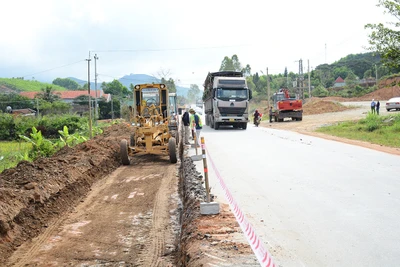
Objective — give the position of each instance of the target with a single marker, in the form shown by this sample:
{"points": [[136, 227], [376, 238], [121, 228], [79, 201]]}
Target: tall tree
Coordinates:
{"points": [[66, 83], [247, 70], [165, 78], [194, 93], [226, 64], [170, 83], [116, 88], [386, 39], [47, 93]]}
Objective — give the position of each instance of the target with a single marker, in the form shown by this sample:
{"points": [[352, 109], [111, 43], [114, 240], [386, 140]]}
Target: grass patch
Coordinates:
{"points": [[381, 130], [13, 152], [28, 85]]}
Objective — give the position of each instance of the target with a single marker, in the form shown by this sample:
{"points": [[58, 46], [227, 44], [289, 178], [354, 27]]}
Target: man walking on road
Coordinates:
{"points": [[373, 106], [186, 128]]}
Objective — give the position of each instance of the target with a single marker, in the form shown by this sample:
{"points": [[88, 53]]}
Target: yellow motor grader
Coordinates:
{"points": [[150, 117]]}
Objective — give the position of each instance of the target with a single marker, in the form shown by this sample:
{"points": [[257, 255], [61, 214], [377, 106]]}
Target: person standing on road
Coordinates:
{"points": [[373, 106], [378, 105], [186, 127], [270, 114], [195, 122]]}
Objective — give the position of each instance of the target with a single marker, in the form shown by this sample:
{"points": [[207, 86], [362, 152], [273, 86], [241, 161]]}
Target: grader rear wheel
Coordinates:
{"points": [[172, 150], [124, 152]]}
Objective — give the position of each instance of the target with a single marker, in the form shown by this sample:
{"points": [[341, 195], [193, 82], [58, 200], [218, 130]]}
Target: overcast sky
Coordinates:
{"points": [[46, 39]]}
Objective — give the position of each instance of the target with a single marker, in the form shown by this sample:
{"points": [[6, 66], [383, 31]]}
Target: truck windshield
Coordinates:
{"points": [[151, 96], [232, 94]]}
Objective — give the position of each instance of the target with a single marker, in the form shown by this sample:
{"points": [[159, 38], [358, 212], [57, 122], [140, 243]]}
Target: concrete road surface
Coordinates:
{"points": [[312, 201]]}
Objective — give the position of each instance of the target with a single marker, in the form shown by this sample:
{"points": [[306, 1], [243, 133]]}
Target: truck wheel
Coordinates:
{"points": [[216, 125], [172, 150], [124, 152], [244, 126], [300, 119], [212, 122]]}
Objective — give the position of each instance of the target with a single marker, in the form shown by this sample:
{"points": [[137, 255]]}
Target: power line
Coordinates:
{"points": [[168, 49], [54, 68]]}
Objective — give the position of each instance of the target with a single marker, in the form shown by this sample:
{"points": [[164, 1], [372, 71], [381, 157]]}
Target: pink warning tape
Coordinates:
{"points": [[262, 254]]}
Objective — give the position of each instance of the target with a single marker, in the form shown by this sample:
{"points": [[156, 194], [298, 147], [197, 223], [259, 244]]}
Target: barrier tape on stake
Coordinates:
{"points": [[262, 254]]}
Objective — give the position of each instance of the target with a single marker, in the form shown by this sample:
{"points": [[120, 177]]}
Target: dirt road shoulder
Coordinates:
{"points": [[310, 123]]}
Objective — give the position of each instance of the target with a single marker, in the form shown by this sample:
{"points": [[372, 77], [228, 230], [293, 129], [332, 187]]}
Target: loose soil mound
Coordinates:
{"points": [[381, 94], [317, 106]]}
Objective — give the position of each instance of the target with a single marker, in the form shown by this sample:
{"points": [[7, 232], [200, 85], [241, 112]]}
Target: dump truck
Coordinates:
{"points": [[226, 99], [286, 107]]}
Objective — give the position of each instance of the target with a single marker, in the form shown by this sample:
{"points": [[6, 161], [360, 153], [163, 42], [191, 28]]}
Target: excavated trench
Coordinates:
{"points": [[34, 194]]}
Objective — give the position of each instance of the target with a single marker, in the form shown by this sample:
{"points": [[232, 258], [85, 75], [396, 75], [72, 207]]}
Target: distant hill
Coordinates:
{"points": [[144, 78]]}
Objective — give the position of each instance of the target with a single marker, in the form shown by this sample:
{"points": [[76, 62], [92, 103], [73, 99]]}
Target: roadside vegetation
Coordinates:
{"points": [[29, 138], [27, 85], [381, 130]]}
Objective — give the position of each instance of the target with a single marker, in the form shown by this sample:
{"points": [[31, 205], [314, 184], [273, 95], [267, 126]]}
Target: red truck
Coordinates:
{"points": [[286, 107]]}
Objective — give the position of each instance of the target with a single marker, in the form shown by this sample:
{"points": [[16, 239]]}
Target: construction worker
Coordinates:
{"points": [[186, 126], [195, 123]]}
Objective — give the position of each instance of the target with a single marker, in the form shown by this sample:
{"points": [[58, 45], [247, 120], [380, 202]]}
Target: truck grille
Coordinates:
{"points": [[226, 111]]}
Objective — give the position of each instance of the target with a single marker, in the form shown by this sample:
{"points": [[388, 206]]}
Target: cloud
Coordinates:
{"points": [[188, 38]]}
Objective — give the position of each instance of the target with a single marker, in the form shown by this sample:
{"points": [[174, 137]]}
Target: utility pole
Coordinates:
{"points": [[90, 100], [300, 79], [268, 88], [95, 85], [376, 75], [112, 108], [309, 79]]}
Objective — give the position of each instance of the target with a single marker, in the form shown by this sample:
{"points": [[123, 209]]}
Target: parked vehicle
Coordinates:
{"points": [[286, 107], [393, 103], [226, 99]]}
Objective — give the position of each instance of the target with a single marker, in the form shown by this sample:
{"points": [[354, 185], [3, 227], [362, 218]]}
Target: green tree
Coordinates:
{"points": [[247, 70], [194, 93], [385, 39], [15, 101], [47, 93], [232, 64], [351, 80], [367, 74], [170, 83], [66, 83], [116, 88], [320, 91]]}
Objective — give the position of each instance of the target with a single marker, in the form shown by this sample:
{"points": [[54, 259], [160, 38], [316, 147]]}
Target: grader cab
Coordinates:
{"points": [[149, 118]]}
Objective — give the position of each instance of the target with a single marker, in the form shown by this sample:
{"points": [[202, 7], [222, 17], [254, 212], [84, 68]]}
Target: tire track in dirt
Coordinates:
{"points": [[124, 221], [160, 216]]}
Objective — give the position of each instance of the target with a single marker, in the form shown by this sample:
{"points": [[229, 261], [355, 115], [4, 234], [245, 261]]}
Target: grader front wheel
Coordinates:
{"points": [[124, 152], [172, 150]]}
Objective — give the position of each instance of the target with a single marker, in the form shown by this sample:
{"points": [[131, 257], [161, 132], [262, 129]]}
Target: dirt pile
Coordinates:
{"points": [[318, 106], [202, 236], [33, 193]]}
